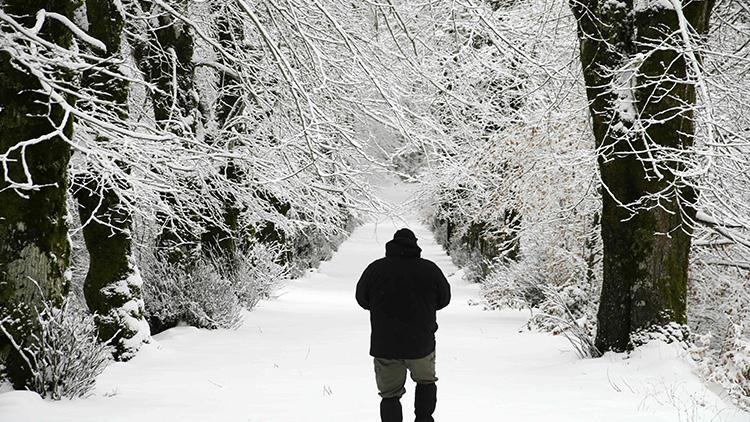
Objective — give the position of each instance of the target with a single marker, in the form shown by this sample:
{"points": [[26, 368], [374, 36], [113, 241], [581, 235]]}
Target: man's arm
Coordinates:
{"points": [[363, 290], [443, 289]]}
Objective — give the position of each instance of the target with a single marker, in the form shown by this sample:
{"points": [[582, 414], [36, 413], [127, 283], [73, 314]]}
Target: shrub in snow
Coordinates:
{"points": [[672, 333], [553, 284], [198, 295], [514, 285], [730, 367], [210, 293], [569, 311], [258, 273], [443, 229], [718, 311], [210, 298], [66, 355]]}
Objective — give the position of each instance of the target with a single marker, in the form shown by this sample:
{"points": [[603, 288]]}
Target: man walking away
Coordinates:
{"points": [[402, 292]]}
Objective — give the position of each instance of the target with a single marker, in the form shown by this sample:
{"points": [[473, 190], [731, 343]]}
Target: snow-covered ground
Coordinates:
{"points": [[303, 357]]}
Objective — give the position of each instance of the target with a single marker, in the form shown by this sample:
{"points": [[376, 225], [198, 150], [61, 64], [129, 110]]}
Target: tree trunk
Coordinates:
{"points": [[641, 101], [34, 249], [220, 244], [165, 57], [113, 283], [164, 53]]}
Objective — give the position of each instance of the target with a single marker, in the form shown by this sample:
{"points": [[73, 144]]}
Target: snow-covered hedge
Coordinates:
{"points": [[209, 294], [307, 248], [258, 274], [199, 296]]}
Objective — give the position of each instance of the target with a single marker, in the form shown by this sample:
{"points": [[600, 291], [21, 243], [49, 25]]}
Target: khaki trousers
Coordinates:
{"points": [[390, 374]]}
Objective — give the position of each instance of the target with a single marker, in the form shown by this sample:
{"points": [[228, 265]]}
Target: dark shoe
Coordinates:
{"points": [[390, 410], [425, 400]]}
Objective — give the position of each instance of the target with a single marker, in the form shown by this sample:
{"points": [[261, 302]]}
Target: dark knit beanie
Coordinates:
{"points": [[405, 234]]}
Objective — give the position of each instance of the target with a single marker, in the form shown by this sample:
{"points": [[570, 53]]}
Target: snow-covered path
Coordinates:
{"points": [[303, 357]]}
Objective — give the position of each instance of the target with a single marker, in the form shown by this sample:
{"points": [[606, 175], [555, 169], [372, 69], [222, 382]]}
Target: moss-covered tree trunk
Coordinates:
{"points": [[641, 100], [113, 283], [34, 249], [165, 56]]}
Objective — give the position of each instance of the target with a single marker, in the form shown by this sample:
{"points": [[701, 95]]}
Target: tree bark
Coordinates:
{"points": [[220, 243], [165, 57], [645, 247], [113, 284], [34, 249], [164, 54]]}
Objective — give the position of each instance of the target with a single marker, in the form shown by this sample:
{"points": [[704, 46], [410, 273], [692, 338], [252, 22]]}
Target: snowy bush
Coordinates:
{"points": [[730, 366], [718, 314], [199, 295], [555, 286], [258, 274], [307, 249], [210, 294], [210, 300], [66, 355], [672, 333]]}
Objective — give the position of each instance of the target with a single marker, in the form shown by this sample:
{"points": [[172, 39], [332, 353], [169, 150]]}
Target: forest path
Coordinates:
{"points": [[303, 357]]}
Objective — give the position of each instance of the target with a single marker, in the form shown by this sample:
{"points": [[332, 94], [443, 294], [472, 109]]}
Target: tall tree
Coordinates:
{"points": [[34, 154], [113, 283], [641, 90], [164, 53], [220, 242]]}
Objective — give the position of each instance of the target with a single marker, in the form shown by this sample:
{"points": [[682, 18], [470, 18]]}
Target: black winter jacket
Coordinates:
{"points": [[402, 292]]}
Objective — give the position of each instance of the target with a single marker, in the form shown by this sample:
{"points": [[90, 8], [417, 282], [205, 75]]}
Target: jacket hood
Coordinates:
{"points": [[403, 247]]}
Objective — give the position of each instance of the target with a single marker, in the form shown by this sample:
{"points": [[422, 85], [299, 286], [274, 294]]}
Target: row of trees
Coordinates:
{"points": [[182, 135], [608, 192]]}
